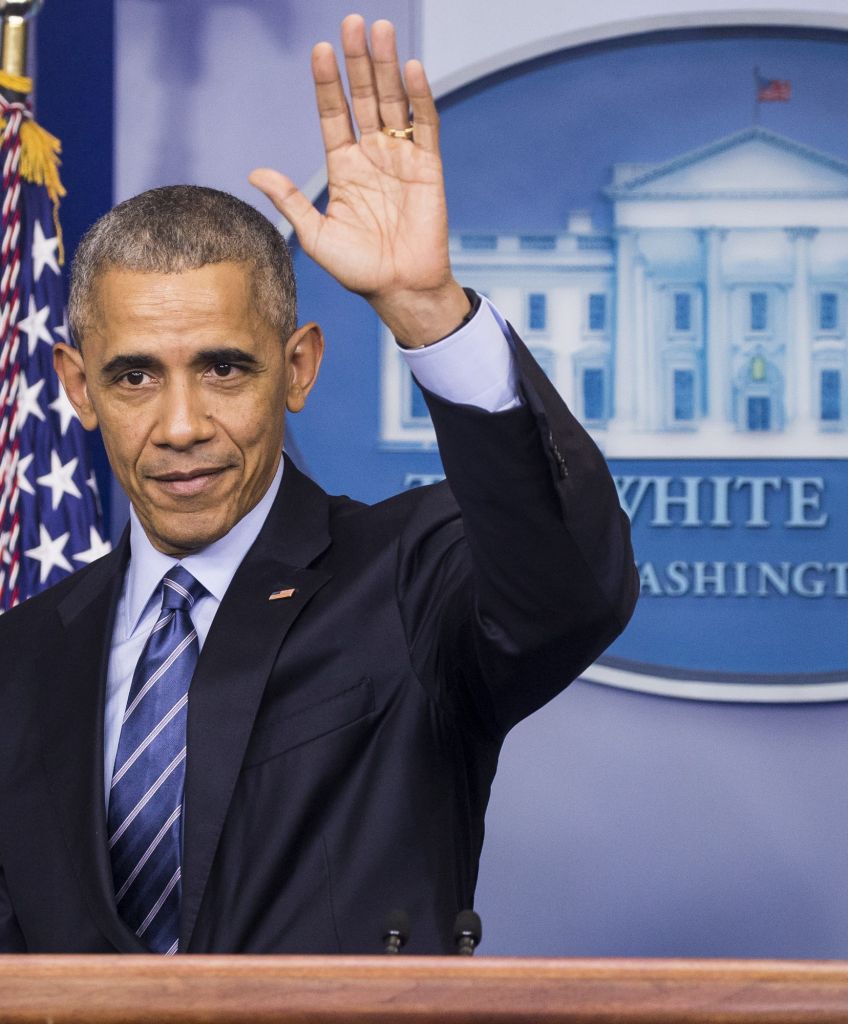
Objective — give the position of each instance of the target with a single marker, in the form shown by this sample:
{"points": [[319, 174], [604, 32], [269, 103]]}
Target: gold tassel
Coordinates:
{"points": [[16, 83], [39, 154]]}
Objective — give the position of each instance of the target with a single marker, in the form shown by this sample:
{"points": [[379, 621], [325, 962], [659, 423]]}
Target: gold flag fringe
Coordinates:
{"points": [[39, 154]]}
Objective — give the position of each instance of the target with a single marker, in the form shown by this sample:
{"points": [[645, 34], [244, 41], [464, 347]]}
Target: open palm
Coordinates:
{"points": [[384, 234]]}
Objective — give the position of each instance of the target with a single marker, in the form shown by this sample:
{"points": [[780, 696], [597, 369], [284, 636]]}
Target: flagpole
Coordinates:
{"points": [[13, 43]]}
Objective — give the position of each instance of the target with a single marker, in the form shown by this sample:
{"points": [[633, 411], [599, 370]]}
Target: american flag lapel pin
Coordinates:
{"points": [[280, 595]]}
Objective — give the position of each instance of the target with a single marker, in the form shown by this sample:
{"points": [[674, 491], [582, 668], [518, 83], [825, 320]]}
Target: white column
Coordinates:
{"points": [[717, 342], [625, 355], [800, 360], [641, 388]]}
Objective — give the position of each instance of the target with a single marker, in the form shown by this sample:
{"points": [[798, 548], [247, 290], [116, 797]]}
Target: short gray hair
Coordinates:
{"points": [[183, 227]]}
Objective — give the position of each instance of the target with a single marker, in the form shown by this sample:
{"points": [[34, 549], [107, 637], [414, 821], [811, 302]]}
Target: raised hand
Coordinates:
{"points": [[385, 232]]}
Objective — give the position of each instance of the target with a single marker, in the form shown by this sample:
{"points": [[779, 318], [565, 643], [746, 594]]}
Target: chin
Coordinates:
{"points": [[191, 540]]}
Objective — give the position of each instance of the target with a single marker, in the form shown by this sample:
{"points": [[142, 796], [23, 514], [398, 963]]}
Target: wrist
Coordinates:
{"points": [[418, 319]]}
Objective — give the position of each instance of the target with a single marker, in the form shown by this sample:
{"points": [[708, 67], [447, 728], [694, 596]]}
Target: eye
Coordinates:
{"points": [[223, 369], [135, 378]]}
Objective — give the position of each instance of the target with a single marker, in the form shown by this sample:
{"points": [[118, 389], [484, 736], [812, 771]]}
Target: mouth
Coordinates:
{"points": [[187, 483]]}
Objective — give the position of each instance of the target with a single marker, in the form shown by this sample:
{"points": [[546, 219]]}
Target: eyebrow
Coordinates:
{"points": [[225, 355], [128, 361], [137, 361]]}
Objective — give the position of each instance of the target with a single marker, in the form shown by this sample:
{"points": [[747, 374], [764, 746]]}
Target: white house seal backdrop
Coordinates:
{"points": [[682, 279]]}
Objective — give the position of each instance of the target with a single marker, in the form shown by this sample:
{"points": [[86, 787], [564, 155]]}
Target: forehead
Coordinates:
{"points": [[133, 302]]}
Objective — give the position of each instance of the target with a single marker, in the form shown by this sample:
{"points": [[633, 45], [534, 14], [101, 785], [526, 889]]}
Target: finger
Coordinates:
{"points": [[291, 203], [394, 106], [360, 74], [424, 113], [333, 111]]}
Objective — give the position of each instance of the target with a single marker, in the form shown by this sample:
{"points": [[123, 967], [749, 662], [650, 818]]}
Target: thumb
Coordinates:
{"points": [[290, 202]]}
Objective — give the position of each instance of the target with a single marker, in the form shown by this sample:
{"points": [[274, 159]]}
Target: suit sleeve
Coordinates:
{"points": [[535, 578], [11, 937]]}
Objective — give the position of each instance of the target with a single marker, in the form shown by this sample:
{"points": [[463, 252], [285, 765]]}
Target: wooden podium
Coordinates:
{"points": [[337, 990]]}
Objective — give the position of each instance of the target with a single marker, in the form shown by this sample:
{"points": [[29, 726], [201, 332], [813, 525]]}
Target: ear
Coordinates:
{"points": [[304, 350], [70, 368]]}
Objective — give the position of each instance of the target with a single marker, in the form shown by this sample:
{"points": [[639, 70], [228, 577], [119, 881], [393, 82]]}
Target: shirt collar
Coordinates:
{"points": [[213, 566]]}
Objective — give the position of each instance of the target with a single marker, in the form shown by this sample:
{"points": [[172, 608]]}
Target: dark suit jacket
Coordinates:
{"points": [[341, 743]]}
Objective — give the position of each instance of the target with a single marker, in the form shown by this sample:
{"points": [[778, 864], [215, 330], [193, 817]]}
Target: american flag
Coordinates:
{"points": [[50, 522], [773, 90]]}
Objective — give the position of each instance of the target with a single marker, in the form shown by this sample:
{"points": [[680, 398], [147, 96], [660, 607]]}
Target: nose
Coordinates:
{"points": [[183, 420]]}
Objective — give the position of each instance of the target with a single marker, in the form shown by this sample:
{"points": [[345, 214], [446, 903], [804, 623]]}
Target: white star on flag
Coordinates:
{"points": [[49, 553], [35, 325], [44, 252], [60, 479], [23, 466], [62, 407], [98, 548], [28, 400]]}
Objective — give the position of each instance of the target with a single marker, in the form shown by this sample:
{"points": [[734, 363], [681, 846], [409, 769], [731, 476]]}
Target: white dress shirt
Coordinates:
{"points": [[472, 366]]}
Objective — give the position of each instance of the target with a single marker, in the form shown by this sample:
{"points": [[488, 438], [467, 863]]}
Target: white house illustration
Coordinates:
{"points": [[711, 322]]}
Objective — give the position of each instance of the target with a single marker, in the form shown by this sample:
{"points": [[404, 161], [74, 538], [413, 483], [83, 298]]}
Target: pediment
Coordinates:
{"points": [[755, 163]]}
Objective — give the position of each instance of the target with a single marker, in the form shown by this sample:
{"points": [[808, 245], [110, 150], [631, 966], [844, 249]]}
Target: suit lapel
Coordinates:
{"points": [[72, 689], [234, 666]]}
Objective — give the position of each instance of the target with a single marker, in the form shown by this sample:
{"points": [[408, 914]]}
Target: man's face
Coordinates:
{"points": [[189, 387]]}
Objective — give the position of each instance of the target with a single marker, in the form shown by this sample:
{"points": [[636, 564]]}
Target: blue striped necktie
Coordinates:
{"points": [[146, 800]]}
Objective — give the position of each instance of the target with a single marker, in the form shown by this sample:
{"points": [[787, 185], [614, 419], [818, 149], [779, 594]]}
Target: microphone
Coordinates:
{"points": [[395, 931], [467, 932]]}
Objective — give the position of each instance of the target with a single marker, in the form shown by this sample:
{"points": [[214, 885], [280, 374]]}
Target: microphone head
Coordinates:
{"points": [[397, 924], [468, 924]]}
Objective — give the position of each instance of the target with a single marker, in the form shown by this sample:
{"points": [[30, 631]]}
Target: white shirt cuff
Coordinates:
{"points": [[472, 366]]}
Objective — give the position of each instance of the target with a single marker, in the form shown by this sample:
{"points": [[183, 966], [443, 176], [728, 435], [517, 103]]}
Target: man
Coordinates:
{"points": [[353, 670]]}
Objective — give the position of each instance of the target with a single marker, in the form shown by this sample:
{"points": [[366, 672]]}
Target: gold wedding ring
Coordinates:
{"points": [[398, 133]]}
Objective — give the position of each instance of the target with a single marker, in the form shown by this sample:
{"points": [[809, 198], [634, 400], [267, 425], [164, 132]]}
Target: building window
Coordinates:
{"points": [[537, 311], [537, 243], [759, 413], [588, 243], [593, 394], [759, 311], [684, 395], [682, 311], [828, 311], [597, 312], [831, 396], [418, 407], [479, 242]]}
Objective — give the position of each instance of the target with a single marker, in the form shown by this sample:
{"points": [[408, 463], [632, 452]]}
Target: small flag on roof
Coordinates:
{"points": [[772, 90]]}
